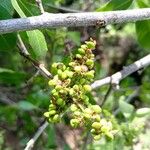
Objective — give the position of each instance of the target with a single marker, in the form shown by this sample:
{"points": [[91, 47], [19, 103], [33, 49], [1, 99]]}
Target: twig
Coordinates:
{"points": [[30, 144], [23, 51], [47, 20], [117, 77], [39, 3]]}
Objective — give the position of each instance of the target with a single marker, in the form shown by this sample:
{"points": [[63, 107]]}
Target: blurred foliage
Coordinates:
{"points": [[24, 96]]}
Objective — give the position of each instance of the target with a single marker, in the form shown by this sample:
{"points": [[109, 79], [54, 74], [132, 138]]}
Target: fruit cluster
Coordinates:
{"points": [[71, 85]]}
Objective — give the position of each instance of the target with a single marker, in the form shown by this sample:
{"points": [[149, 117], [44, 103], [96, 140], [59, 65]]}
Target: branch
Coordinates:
{"points": [[30, 144], [39, 3], [47, 20], [117, 77], [39, 66]]}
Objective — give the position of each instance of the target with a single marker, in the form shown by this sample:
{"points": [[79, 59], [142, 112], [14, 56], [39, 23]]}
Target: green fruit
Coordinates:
{"points": [[90, 62], [87, 88], [96, 108], [81, 51], [104, 129], [90, 74], [52, 83], [96, 125], [59, 72], [90, 44], [73, 107], [74, 123], [58, 87], [84, 46], [71, 92], [52, 106], [56, 118], [54, 65], [97, 137], [59, 101], [46, 114], [77, 69], [52, 112], [63, 75], [78, 56]]}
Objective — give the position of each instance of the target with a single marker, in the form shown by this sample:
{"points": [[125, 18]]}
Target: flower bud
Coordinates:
{"points": [[96, 125], [96, 108], [81, 51], [90, 62], [56, 118], [74, 123], [46, 114], [97, 137], [73, 107], [77, 69], [90, 44], [87, 88], [59, 101], [78, 56], [52, 112]]}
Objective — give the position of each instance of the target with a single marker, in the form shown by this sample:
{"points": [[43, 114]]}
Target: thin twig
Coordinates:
{"points": [[30, 144], [117, 77], [39, 3], [99, 19], [23, 51]]}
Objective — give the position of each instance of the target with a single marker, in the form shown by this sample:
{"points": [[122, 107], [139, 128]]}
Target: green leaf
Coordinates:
{"points": [[143, 27], [143, 112], [115, 5], [8, 76], [35, 37], [38, 43], [7, 41], [6, 4], [143, 33], [25, 105], [126, 108]]}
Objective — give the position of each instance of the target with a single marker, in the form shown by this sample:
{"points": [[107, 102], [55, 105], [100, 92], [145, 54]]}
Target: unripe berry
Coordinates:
{"points": [[59, 72], [71, 92], [58, 87], [63, 75], [46, 114], [77, 69], [81, 51], [73, 107], [96, 125], [97, 137], [87, 88], [56, 118], [59, 101], [54, 65], [90, 74], [74, 123], [90, 44], [52, 106], [52, 112], [78, 56], [96, 108], [90, 62], [52, 83], [84, 46]]}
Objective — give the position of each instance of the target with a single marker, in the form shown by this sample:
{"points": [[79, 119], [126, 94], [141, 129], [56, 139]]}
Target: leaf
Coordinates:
{"points": [[8, 76], [7, 41], [143, 33], [6, 4], [35, 37], [115, 5], [25, 105], [143, 28], [143, 112], [38, 43], [126, 108]]}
